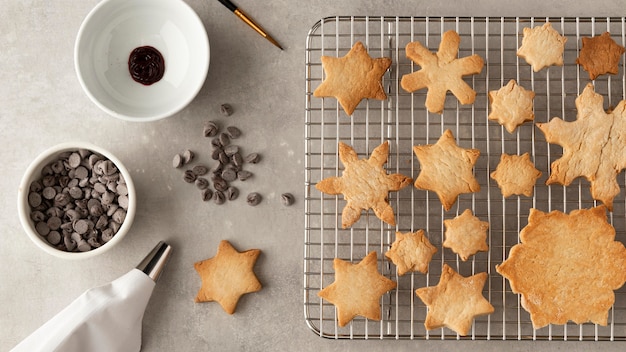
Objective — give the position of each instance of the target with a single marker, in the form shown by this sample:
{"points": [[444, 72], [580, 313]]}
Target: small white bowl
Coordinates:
{"points": [[33, 173], [113, 29]]}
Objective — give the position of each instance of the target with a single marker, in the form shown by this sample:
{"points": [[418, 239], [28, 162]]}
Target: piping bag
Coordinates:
{"points": [[105, 318]]}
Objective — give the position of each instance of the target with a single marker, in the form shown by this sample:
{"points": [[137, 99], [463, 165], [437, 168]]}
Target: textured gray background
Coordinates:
{"points": [[41, 104]]}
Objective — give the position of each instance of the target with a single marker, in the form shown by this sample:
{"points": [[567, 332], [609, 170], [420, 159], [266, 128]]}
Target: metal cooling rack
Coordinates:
{"points": [[403, 120]]}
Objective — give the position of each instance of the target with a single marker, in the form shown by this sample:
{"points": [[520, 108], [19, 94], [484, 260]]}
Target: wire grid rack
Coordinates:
{"points": [[403, 121]]}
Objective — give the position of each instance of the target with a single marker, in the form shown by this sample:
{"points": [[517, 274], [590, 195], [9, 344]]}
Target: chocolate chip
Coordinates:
{"points": [[244, 175], [188, 156], [237, 160], [233, 132], [210, 129], [287, 199], [224, 139], [254, 199], [202, 183], [189, 176], [231, 193], [177, 162], [218, 197], [220, 184], [230, 150], [34, 199], [207, 194], [226, 109], [229, 175], [200, 170]]}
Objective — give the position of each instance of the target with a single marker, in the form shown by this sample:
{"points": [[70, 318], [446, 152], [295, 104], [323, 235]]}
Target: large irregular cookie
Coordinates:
{"points": [[364, 184], [516, 175], [455, 301], [600, 55], [354, 77], [466, 235], [441, 72], [446, 169], [566, 266], [511, 105], [357, 289], [227, 276], [411, 252], [542, 47], [594, 146]]}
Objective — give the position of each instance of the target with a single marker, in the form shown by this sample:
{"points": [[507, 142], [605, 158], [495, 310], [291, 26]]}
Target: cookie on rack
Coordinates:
{"points": [[594, 146], [442, 72], [455, 301], [353, 77], [566, 267], [411, 251], [600, 55], [227, 276], [542, 46], [511, 105], [364, 184], [446, 169], [466, 235], [357, 289], [516, 175]]}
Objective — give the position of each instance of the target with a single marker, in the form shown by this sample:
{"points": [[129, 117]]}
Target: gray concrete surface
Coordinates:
{"points": [[41, 104]]}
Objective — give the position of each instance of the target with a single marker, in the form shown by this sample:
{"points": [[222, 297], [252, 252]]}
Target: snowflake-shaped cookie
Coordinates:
{"points": [[566, 266], [446, 169], [441, 72], [516, 175], [594, 146], [357, 289], [354, 77], [600, 55], [511, 105], [542, 47], [455, 301], [364, 184], [466, 235], [411, 251]]}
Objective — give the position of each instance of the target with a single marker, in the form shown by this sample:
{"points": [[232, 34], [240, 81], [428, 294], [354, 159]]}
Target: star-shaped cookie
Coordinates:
{"points": [[364, 184], [227, 276], [446, 169], [594, 146], [566, 266], [357, 289], [411, 251], [542, 46], [455, 301], [511, 105], [516, 175], [600, 55], [466, 235], [353, 77], [441, 72]]}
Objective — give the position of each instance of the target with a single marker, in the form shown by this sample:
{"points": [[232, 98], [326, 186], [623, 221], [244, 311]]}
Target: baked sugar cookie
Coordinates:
{"points": [[600, 55], [511, 106], [566, 267], [442, 72], [466, 235], [455, 301], [542, 46], [352, 78], [411, 251], [516, 175], [364, 184], [357, 289], [446, 169]]}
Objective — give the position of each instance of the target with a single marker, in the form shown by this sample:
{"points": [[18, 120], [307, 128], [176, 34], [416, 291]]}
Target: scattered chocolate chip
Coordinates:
{"points": [[226, 109], [211, 129], [224, 139], [188, 156], [233, 132], [189, 176], [231, 193], [207, 194], [287, 199], [202, 183], [218, 197], [200, 170], [254, 199], [177, 162], [244, 175], [253, 158]]}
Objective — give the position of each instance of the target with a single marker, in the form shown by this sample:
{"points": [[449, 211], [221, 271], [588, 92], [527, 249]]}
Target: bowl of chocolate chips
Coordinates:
{"points": [[76, 200], [141, 60]]}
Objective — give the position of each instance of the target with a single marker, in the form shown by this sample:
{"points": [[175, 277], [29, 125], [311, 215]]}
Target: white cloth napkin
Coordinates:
{"points": [[107, 318]]}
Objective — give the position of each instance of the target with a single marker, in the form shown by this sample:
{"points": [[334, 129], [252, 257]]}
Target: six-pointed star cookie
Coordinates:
{"points": [[511, 105], [364, 184], [455, 301], [600, 55], [466, 235], [227, 276], [516, 175], [446, 169], [594, 146], [441, 72], [357, 289], [411, 251], [542, 47], [566, 266], [353, 77]]}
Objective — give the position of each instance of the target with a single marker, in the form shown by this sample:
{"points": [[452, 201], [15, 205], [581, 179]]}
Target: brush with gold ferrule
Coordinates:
{"points": [[232, 7]]}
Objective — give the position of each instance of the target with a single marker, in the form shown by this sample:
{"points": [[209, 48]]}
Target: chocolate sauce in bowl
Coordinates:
{"points": [[146, 65]]}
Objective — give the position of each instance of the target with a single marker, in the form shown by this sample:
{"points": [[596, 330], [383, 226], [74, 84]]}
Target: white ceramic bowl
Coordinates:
{"points": [[113, 29], [33, 173]]}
